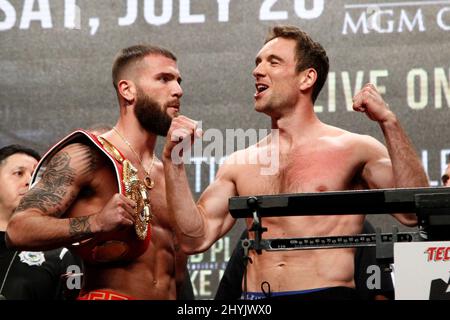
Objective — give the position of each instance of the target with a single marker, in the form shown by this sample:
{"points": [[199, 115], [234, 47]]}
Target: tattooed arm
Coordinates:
{"points": [[38, 223]]}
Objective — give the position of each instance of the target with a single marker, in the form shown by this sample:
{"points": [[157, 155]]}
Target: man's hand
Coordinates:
{"points": [[369, 101], [181, 129], [117, 214]]}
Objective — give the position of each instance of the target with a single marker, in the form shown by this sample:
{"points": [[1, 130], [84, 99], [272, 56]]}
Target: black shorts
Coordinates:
{"points": [[331, 293]]}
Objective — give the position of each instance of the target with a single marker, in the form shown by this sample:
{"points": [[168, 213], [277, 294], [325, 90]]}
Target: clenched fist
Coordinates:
{"points": [[118, 213], [182, 132], [369, 101]]}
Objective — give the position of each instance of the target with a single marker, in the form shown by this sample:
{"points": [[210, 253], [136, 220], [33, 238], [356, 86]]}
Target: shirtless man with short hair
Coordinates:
{"points": [[290, 71], [84, 200]]}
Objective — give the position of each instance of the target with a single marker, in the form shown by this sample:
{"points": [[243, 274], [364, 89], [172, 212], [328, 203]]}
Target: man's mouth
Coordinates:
{"points": [[260, 88], [175, 105]]}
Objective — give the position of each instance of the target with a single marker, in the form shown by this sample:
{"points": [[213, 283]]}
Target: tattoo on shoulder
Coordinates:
{"points": [[48, 194], [79, 226], [90, 160]]}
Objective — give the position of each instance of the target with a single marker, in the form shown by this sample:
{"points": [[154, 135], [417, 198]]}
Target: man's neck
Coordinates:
{"points": [[298, 125], [142, 142]]}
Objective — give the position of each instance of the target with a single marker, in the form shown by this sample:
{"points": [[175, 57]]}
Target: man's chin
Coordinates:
{"points": [[173, 113], [265, 109], [259, 107]]}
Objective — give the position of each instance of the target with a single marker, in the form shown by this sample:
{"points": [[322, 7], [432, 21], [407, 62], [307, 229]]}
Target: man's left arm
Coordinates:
{"points": [[406, 168]]}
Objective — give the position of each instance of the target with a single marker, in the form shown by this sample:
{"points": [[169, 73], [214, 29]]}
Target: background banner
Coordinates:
{"points": [[56, 57]]}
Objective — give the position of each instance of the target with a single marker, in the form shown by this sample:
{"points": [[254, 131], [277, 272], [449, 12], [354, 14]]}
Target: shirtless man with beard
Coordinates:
{"points": [[104, 196]]}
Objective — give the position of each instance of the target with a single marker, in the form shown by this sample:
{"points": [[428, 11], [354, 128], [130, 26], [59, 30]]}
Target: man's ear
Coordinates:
{"points": [[127, 90], [307, 79]]}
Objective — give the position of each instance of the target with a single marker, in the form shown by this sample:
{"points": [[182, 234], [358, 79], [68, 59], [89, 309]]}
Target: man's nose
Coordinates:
{"points": [[258, 71], [27, 178], [177, 91]]}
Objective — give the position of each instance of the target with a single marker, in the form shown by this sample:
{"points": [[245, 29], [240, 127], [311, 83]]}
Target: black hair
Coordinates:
{"points": [[12, 149]]}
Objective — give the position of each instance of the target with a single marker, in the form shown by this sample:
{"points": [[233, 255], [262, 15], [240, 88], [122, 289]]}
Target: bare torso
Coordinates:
{"points": [[329, 163], [149, 276]]}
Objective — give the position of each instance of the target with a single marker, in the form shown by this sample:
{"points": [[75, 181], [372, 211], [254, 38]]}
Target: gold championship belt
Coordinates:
{"points": [[134, 189]]}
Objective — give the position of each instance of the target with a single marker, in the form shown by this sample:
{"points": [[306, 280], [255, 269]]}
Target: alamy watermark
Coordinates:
{"points": [[73, 277], [258, 147]]}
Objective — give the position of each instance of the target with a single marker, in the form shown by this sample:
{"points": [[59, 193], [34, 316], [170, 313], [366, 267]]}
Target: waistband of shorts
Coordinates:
{"points": [[104, 295], [263, 295]]}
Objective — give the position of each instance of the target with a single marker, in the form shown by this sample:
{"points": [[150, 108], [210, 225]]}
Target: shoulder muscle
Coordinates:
{"points": [[64, 175]]}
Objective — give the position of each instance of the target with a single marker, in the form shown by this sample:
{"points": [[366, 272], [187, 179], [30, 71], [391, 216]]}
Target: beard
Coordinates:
{"points": [[151, 115]]}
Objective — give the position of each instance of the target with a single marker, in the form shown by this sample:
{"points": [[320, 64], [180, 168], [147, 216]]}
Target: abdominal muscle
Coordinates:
{"points": [[149, 276], [301, 270], [304, 269]]}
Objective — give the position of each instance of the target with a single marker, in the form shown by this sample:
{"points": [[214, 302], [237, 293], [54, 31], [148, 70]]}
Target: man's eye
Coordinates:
{"points": [[18, 173]]}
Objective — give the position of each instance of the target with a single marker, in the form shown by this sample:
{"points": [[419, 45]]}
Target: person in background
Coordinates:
{"points": [[27, 275], [445, 179]]}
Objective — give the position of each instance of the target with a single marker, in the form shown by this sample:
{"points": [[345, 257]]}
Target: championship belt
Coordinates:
{"points": [[134, 189], [121, 245]]}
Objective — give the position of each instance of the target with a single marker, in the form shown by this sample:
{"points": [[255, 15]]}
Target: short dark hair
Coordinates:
{"points": [[309, 53], [135, 53], [12, 149]]}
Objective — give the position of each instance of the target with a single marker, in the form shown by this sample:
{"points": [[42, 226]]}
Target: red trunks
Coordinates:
{"points": [[104, 295]]}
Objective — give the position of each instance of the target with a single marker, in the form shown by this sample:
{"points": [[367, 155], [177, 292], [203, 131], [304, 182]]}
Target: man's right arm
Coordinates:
{"points": [[197, 225], [37, 223]]}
